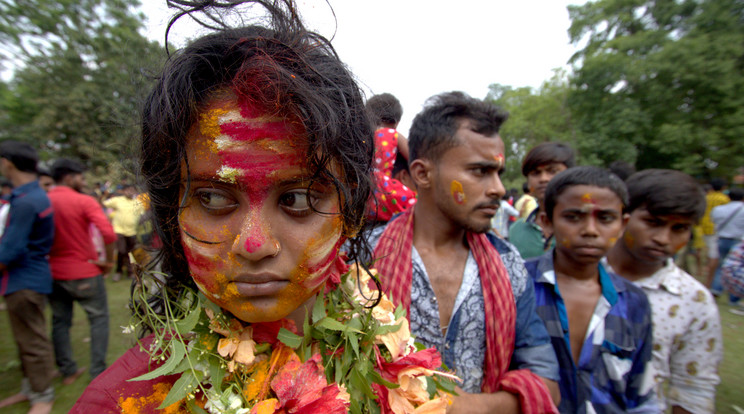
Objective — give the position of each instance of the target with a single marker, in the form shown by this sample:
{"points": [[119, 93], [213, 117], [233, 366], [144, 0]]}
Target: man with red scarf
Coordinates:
{"points": [[465, 290]]}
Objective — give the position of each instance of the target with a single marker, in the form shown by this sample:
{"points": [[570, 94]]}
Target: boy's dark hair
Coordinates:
{"points": [[665, 192], [5, 183], [736, 194], [548, 153], [433, 130], [384, 109], [622, 169], [400, 164], [22, 155], [64, 167], [583, 175], [525, 188], [281, 68], [718, 184]]}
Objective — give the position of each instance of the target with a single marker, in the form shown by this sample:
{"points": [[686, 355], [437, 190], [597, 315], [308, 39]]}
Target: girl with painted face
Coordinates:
{"points": [[257, 156]]}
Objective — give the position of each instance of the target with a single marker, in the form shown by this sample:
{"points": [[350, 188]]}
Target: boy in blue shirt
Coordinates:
{"points": [[599, 323]]}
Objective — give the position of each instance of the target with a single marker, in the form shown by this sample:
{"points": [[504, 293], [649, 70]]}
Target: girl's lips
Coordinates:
{"points": [[261, 284], [255, 289]]}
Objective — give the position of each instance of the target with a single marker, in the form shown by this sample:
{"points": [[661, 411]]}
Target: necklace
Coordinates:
{"points": [[349, 358]]}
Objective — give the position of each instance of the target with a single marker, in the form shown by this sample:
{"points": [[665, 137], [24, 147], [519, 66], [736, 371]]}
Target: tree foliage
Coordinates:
{"points": [[81, 68], [659, 83], [535, 116]]}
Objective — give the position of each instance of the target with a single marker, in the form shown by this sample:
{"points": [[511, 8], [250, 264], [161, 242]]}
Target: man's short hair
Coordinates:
{"points": [[736, 194], [718, 184], [584, 175], [5, 183], [64, 167], [22, 155], [666, 192], [384, 109], [433, 129], [548, 153], [622, 169]]}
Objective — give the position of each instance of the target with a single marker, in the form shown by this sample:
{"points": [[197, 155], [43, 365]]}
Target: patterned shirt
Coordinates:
{"points": [[732, 271], [463, 347], [612, 374], [687, 338]]}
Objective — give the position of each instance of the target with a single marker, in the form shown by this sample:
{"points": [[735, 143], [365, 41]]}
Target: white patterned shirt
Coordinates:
{"points": [[687, 339]]}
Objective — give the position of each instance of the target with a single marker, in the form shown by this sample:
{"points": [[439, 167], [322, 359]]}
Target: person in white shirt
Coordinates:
{"points": [[664, 205], [729, 222]]}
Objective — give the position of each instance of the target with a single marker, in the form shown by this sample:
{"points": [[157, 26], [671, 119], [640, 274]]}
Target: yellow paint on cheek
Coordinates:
{"points": [[457, 192], [613, 240], [566, 243], [629, 240]]}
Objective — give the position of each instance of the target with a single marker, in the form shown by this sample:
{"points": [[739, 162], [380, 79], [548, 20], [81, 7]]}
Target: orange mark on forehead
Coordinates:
{"points": [[587, 198], [499, 158], [458, 193]]}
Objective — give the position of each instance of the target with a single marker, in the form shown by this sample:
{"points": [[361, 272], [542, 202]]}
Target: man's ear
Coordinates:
{"points": [[421, 173]]}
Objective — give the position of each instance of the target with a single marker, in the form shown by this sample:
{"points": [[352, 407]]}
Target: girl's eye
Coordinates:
{"points": [[297, 202], [215, 202]]}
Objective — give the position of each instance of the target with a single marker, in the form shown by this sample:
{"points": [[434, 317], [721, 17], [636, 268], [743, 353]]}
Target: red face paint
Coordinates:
{"points": [[240, 227]]}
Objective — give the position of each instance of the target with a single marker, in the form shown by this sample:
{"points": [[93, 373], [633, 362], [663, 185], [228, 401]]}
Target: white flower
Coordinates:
{"points": [[126, 330]]}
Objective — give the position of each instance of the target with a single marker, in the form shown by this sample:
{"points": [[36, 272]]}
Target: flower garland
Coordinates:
{"points": [[349, 358]]}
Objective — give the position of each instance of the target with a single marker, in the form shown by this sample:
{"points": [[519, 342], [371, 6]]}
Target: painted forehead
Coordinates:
{"points": [[247, 140]]}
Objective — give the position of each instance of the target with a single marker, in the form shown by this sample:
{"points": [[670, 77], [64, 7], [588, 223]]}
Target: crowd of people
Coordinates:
{"points": [[267, 174], [58, 244]]}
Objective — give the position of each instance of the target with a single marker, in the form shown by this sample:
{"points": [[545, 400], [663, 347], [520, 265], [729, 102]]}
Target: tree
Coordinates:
{"points": [[660, 83], [81, 71], [535, 116]]}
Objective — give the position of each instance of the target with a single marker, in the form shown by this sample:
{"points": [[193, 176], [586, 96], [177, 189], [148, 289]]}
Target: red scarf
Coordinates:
{"points": [[395, 265]]}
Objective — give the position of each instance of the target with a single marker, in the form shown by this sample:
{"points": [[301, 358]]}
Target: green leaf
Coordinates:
{"points": [[185, 385], [319, 311], [216, 373], [188, 323], [193, 408], [359, 382], [331, 324], [288, 338], [176, 355], [376, 377], [354, 342]]}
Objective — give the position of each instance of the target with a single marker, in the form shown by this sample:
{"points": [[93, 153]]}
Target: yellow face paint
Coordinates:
{"points": [[613, 240], [629, 240], [457, 192]]}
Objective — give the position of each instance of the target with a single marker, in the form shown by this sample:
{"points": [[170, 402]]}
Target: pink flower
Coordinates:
{"points": [[302, 389]]}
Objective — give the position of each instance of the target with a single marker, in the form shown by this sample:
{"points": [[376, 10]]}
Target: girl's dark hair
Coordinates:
{"points": [[277, 66], [584, 175], [666, 192]]}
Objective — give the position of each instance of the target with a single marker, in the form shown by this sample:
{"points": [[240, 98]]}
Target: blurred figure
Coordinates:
{"points": [[540, 165], [391, 196], [622, 169], [527, 203], [77, 270], [125, 215], [729, 222], [713, 198], [45, 179], [25, 277]]}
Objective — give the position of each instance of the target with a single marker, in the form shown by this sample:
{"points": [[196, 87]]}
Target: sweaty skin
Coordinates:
{"points": [[252, 241]]}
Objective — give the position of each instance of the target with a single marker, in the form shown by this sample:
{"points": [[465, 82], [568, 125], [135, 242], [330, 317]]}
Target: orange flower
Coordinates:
{"points": [[239, 346]]}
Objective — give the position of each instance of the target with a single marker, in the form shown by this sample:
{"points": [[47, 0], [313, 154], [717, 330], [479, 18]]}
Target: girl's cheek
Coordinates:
{"points": [[320, 253], [206, 266]]}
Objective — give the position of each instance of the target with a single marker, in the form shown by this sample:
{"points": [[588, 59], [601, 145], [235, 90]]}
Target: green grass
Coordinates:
{"points": [[729, 391], [66, 395]]}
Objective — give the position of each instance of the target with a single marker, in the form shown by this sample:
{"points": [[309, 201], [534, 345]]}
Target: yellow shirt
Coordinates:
{"points": [[712, 199], [126, 214], [525, 205]]}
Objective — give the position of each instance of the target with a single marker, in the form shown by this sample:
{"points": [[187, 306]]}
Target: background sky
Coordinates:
{"points": [[415, 49]]}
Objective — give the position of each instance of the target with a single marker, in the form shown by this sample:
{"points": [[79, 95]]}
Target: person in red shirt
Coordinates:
{"points": [[76, 268]]}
